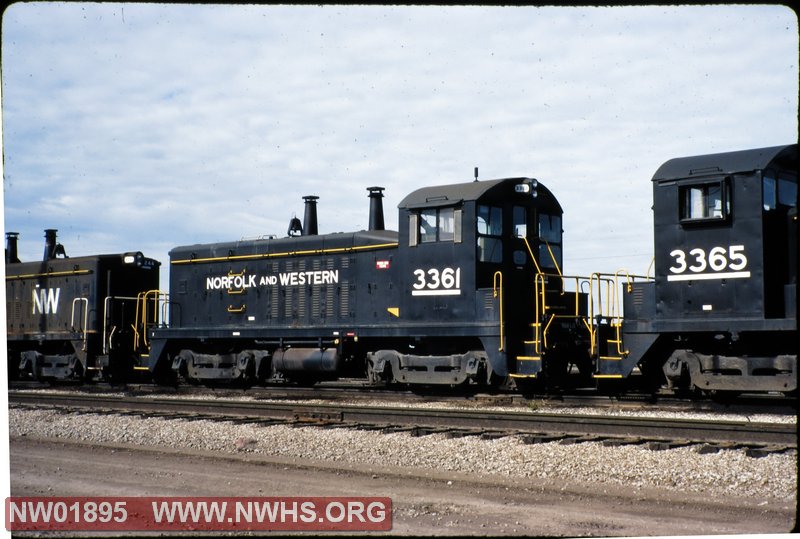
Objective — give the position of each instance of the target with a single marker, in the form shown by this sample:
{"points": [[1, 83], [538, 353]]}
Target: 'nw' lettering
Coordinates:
{"points": [[46, 301]]}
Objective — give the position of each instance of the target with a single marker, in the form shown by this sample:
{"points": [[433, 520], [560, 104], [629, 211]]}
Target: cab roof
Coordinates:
{"points": [[727, 163], [454, 194]]}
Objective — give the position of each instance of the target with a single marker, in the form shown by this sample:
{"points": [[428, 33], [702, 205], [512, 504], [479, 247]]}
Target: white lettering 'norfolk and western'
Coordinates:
{"points": [[289, 278]]}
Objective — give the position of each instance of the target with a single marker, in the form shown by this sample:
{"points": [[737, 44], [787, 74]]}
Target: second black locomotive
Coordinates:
{"points": [[447, 299]]}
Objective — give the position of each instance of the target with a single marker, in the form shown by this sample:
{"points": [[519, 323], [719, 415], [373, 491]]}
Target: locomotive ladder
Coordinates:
{"points": [[151, 311], [602, 321], [606, 339]]}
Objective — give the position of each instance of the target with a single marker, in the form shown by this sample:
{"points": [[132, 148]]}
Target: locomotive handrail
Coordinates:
{"points": [[235, 291], [494, 294], [613, 311], [164, 313], [142, 299], [107, 340], [537, 324], [530, 252], [106, 334], [553, 257], [85, 319], [594, 323]]}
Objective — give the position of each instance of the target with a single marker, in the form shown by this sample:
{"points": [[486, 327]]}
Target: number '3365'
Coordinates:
{"points": [[718, 259]]}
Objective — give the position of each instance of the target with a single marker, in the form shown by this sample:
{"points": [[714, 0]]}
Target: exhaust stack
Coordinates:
{"points": [[12, 253], [49, 244], [310, 227], [51, 247], [375, 208]]}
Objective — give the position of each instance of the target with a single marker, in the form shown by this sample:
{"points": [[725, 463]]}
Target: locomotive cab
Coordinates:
{"points": [[463, 247]]}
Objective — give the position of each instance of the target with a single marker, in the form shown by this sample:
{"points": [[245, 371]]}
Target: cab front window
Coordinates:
{"points": [[550, 236]]}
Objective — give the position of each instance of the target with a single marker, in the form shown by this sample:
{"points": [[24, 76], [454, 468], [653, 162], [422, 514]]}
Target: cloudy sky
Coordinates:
{"points": [[146, 126]]}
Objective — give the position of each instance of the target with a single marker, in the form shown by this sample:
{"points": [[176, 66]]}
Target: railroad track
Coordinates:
{"points": [[658, 433], [359, 391]]}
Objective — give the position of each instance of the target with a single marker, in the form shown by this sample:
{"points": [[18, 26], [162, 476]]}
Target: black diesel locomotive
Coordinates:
{"points": [[471, 290], [78, 318], [721, 314], [446, 300]]}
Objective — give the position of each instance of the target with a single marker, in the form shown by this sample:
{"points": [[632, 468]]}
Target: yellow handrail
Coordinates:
{"points": [[530, 252], [553, 257], [142, 299], [494, 294]]}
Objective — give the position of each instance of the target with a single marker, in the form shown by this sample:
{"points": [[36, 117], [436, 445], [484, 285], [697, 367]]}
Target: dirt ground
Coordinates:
{"points": [[424, 502]]}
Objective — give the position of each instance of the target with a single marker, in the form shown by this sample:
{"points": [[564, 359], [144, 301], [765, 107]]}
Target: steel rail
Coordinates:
{"points": [[513, 422], [354, 391]]}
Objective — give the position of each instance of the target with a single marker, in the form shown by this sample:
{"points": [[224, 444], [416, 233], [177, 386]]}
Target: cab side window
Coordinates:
{"points": [[435, 224], [490, 228], [705, 201]]}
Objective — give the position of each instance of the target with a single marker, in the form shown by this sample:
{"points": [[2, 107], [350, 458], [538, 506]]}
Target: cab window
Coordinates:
{"points": [[520, 222], [490, 221], [490, 228], [706, 201], [780, 189], [550, 236], [436, 224]]}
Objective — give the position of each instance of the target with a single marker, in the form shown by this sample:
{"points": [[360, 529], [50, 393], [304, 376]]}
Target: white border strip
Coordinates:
{"points": [[709, 276], [445, 292]]}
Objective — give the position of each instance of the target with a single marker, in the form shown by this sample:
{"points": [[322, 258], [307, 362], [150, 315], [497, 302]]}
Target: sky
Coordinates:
{"points": [[147, 126]]}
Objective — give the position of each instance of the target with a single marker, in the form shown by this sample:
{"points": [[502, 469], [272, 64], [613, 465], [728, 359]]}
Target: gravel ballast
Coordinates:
{"points": [[772, 478]]}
